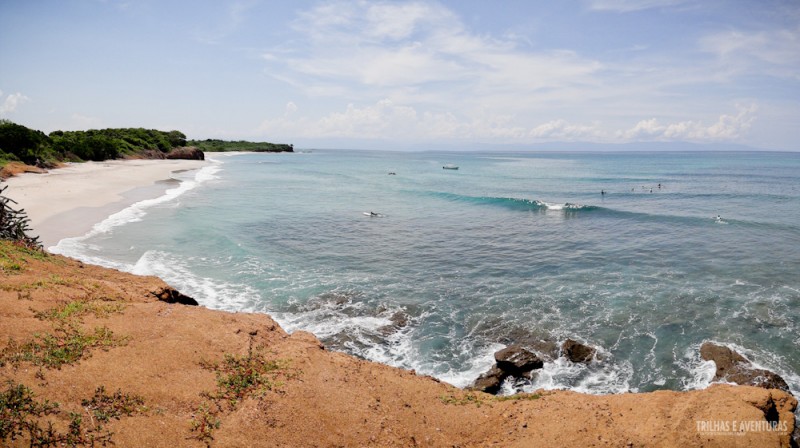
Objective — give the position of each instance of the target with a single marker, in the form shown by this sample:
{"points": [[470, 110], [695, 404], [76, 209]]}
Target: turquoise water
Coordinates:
{"points": [[510, 247]]}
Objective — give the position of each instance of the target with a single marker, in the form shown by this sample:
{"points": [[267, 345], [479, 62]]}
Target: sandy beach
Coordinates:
{"points": [[66, 202]]}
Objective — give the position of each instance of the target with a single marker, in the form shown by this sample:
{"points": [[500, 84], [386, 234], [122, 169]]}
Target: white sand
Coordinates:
{"points": [[67, 202]]}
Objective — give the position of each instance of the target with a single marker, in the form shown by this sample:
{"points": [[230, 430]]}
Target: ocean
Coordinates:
{"points": [[678, 249]]}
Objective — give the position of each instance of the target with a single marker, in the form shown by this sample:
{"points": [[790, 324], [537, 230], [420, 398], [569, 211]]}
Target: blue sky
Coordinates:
{"points": [[392, 74]]}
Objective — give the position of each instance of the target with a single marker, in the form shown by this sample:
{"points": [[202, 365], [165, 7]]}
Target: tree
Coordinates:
{"points": [[26, 144]]}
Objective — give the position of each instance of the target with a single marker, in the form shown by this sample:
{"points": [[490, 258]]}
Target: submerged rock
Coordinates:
{"points": [[735, 368], [499, 331], [399, 320], [577, 352]]}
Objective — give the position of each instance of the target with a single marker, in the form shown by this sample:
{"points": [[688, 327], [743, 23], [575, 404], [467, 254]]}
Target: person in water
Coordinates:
{"points": [[602, 192]]}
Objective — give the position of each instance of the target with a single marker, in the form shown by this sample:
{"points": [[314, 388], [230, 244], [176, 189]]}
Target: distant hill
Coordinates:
{"points": [[213, 145]]}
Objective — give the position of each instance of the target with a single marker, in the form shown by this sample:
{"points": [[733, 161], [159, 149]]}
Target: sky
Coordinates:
{"points": [[409, 74]]}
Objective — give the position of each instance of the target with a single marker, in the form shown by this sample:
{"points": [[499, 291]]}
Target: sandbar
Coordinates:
{"points": [[66, 202]]}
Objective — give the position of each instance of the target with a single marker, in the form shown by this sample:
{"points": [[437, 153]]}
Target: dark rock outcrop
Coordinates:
{"points": [[186, 152], [735, 368], [577, 352], [517, 361], [513, 361], [148, 154], [490, 380], [172, 295]]}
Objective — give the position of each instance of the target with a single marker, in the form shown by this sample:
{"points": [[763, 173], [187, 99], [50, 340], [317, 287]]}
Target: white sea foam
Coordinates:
{"points": [[560, 207], [77, 248], [478, 364], [208, 292], [700, 372], [598, 377]]}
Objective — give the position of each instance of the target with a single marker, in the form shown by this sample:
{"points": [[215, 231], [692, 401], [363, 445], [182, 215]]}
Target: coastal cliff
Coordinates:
{"points": [[123, 364]]}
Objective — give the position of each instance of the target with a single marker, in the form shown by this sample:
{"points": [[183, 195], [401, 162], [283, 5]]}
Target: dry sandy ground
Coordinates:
{"points": [[165, 354], [67, 202]]}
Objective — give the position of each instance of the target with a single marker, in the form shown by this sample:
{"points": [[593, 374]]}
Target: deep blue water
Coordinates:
{"points": [[509, 247]]}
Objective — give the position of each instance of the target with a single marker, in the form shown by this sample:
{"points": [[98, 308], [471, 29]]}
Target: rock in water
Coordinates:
{"points": [[512, 361], [490, 381], [517, 361], [577, 352], [725, 358], [735, 368]]}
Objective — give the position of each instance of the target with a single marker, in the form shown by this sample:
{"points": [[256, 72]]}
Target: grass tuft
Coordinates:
{"points": [[238, 378], [80, 308], [22, 415], [66, 345], [105, 407]]}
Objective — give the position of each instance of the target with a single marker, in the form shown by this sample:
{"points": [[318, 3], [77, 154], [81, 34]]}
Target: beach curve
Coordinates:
{"points": [[67, 202]]}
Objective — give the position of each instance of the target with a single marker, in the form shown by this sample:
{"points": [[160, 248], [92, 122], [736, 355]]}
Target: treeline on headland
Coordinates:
{"points": [[212, 145], [32, 147]]}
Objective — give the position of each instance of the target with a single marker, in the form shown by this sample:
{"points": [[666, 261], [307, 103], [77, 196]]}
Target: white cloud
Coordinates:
{"points": [[726, 128], [369, 47], [631, 5], [399, 21], [562, 130], [387, 120], [11, 102], [414, 71], [774, 52]]}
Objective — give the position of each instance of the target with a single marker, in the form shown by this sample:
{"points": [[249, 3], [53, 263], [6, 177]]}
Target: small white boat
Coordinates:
{"points": [[450, 167]]}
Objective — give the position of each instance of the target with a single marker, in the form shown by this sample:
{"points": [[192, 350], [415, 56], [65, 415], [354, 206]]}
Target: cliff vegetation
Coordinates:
{"points": [[23, 149]]}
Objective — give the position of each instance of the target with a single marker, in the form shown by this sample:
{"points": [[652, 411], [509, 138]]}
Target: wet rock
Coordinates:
{"points": [[735, 368], [172, 295], [513, 361], [577, 352], [490, 381], [186, 152], [399, 321], [723, 357], [497, 330], [516, 360]]}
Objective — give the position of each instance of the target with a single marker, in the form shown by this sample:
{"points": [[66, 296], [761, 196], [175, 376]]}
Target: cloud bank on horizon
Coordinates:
{"points": [[401, 74]]}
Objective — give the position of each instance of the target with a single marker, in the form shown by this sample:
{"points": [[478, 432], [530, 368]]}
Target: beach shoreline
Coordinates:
{"points": [[67, 202]]}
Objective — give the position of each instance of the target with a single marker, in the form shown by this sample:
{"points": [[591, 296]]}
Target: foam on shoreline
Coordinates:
{"points": [[75, 246], [67, 202]]}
